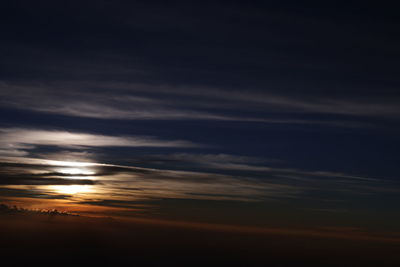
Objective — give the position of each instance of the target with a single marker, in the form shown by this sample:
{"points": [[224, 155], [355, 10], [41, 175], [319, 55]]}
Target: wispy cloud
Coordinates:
{"points": [[220, 177], [245, 164], [14, 141], [134, 183], [130, 101]]}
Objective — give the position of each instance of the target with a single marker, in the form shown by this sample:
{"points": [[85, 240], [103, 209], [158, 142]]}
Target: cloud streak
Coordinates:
{"points": [[15, 140], [130, 101], [131, 183], [246, 165]]}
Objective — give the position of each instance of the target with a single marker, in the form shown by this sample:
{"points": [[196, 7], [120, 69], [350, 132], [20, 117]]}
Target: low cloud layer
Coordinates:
{"points": [[251, 181], [71, 171]]}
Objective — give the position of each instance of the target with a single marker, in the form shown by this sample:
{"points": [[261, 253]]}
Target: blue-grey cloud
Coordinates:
{"points": [[130, 101], [15, 140]]}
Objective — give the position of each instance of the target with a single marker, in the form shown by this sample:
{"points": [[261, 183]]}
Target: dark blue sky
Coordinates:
{"points": [[225, 107]]}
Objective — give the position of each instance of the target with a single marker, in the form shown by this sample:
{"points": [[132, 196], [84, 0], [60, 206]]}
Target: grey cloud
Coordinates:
{"points": [[206, 158], [32, 180], [13, 152], [247, 164], [253, 99], [149, 102], [29, 174], [29, 193], [385, 105], [17, 140]]}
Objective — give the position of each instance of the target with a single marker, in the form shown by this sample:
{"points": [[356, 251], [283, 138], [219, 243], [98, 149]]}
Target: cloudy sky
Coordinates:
{"points": [[226, 112]]}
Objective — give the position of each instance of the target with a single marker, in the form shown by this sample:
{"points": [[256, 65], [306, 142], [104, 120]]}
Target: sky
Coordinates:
{"points": [[256, 113]]}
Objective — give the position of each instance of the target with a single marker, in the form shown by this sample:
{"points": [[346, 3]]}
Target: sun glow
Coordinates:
{"points": [[76, 171], [70, 163], [72, 189], [73, 167], [73, 170]]}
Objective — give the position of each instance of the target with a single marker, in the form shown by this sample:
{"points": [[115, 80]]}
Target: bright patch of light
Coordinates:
{"points": [[70, 163], [76, 171], [72, 189]]}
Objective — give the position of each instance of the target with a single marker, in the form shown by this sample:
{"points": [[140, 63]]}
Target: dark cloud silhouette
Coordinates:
{"points": [[14, 210]]}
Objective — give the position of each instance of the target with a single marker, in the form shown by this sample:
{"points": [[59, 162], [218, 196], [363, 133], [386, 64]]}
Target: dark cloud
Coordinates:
{"points": [[14, 210], [29, 180], [137, 205], [28, 193]]}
